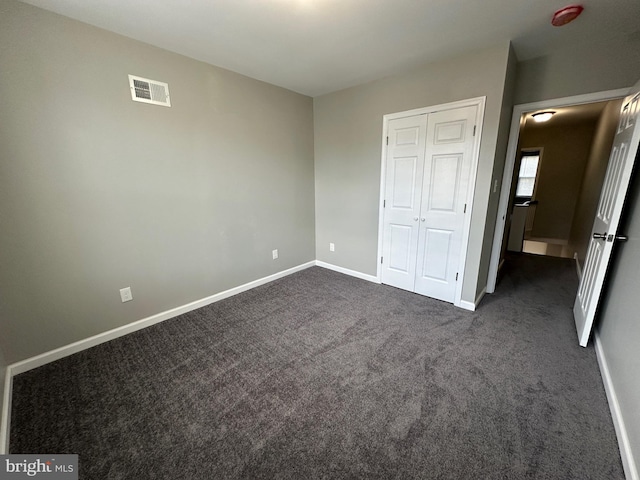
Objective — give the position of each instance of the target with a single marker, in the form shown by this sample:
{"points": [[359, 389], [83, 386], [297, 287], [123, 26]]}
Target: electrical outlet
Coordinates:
{"points": [[275, 253], [126, 295], [332, 247]]}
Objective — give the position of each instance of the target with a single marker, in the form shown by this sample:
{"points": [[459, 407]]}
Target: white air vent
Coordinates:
{"points": [[149, 91]]}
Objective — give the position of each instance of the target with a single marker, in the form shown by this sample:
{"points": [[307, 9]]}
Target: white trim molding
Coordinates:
{"points": [[626, 453], [472, 306], [512, 147], [578, 268], [5, 418], [346, 271], [467, 305]]}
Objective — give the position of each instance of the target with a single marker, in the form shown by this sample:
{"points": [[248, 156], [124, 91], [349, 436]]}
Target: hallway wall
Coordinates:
{"points": [[565, 154]]}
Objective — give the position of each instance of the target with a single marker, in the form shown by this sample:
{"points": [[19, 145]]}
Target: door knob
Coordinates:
{"points": [[619, 238], [600, 236], [415, 218], [422, 219]]}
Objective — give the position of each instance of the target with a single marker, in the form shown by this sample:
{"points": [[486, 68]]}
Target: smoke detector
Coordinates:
{"points": [[566, 15], [149, 91]]}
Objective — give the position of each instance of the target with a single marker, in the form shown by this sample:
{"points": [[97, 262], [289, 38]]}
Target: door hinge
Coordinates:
{"points": [[465, 208], [474, 130], [456, 276], [381, 259], [387, 140], [384, 204]]}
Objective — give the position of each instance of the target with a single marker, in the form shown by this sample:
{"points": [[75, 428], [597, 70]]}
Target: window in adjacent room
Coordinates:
{"points": [[530, 160]]}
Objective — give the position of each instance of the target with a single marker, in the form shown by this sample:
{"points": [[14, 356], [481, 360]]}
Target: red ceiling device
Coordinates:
{"points": [[566, 15]]}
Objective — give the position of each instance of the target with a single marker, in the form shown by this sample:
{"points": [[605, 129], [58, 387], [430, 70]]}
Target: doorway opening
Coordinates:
{"points": [[575, 146], [555, 199]]}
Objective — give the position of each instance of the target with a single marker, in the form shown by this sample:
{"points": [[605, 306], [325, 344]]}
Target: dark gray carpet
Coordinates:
{"points": [[320, 375]]}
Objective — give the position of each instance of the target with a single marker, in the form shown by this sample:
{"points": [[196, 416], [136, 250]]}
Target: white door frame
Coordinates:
{"points": [[480, 103], [507, 176]]}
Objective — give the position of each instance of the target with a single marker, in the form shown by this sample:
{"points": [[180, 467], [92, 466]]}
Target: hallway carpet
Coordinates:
{"points": [[321, 375]]}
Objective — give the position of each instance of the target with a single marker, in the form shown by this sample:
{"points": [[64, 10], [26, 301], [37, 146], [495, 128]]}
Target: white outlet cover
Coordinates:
{"points": [[332, 247], [125, 294], [275, 254]]}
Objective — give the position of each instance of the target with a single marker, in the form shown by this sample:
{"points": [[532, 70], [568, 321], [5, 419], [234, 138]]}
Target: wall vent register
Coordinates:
{"points": [[149, 91]]}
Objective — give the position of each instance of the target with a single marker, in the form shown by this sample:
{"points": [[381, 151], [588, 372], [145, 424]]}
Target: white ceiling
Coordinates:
{"points": [[318, 46]]}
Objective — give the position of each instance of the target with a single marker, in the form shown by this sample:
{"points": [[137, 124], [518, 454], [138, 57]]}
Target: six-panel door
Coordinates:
{"points": [[605, 226], [404, 169], [444, 193], [427, 173]]}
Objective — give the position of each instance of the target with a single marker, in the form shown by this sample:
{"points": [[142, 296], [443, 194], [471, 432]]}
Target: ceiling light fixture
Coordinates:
{"points": [[566, 15], [542, 116]]}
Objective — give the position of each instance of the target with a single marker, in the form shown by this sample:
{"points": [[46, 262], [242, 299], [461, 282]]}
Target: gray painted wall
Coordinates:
{"points": [[504, 128], [593, 178], [580, 69], [564, 159], [99, 192], [619, 328], [348, 145]]}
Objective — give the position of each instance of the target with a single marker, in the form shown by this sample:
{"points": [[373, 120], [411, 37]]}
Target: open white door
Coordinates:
{"points": [[605, 227]]}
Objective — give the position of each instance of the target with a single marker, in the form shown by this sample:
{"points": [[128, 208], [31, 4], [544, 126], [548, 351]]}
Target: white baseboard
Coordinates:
{"points": [[467, 305], [471, 306], [58, 353], [346, 271], [628, 462], [372, 278], [578, 269], [53, 355], [5, 418]]}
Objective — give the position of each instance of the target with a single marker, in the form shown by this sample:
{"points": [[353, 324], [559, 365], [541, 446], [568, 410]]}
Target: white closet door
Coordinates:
{"points": [[447, 167], [403, 182]]}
